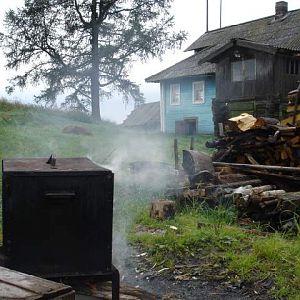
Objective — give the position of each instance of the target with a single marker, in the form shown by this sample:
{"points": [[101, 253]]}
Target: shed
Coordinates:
{"points": [[144, 117]]}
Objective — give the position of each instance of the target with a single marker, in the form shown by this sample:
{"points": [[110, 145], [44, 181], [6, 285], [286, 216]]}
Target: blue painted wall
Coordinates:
{"points": [[187, 109]]}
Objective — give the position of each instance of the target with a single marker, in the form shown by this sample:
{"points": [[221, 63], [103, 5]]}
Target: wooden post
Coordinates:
{"points": [[176, 154], [192, 143]]}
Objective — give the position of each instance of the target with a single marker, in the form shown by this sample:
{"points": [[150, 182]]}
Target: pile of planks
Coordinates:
{"points": [[265, 143]]}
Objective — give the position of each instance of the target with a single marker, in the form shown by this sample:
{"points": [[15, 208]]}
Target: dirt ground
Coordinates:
{"points": [[165, 284]]}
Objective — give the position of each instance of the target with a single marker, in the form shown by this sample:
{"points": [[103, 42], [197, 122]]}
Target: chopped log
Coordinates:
{"points": [[162, 209], [232, 185], [263, 188], [273, 193]]}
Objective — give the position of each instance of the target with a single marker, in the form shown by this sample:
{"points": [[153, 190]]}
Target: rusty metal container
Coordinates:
{"points": [[16, 285], [194, 162], [57, 217]]}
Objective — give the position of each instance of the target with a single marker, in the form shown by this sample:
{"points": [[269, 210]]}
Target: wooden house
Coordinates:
{"points": [[187, 90], [257, 64], [249, 67]]}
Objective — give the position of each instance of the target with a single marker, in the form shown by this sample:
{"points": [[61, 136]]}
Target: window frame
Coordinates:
{"points": [[243, 69], [292, 66], [195, 101], [171, 94]]}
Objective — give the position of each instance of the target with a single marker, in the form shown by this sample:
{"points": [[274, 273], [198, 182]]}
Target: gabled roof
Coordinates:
{"points": [[266, 34], [146, 115], [282, 33], [213, 56], [186, 67]]}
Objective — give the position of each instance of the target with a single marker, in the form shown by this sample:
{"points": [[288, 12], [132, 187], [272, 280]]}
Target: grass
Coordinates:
{"points": [[211, 236], [228, 249]]}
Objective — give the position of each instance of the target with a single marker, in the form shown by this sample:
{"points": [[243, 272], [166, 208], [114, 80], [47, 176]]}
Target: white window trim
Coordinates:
{"points": [[171, 85], [194, 83]]}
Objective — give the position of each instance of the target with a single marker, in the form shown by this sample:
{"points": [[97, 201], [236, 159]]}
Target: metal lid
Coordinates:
{"points": [[41, 165]]}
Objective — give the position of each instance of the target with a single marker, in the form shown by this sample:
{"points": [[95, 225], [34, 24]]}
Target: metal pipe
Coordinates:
{"points": [[206, 15], [220, 13]]}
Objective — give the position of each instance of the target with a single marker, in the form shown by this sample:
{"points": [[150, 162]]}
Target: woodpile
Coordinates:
{"points": [[264, 143], [269, 194]]}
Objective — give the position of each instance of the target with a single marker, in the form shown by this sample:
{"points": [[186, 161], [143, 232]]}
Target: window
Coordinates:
{"points": [[198, 92], [175, 94], [292, 66], [243, 70]]}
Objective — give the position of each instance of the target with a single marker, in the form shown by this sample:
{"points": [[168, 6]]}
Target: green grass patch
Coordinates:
{"points": [[214, 234]]}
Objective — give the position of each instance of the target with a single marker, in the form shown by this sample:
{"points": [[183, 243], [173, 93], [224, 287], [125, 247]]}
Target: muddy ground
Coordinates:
{"points": [[187, 283]]}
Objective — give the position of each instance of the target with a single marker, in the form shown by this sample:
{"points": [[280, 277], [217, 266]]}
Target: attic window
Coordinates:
{"points": [[243, 69], [175, 94], [292, 66]]}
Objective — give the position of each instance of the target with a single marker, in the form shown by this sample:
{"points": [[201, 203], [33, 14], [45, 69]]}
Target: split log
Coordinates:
{"points": [[162, 209]]}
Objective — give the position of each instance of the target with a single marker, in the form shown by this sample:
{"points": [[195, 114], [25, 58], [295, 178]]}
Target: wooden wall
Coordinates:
{"points": [[264, 96]]}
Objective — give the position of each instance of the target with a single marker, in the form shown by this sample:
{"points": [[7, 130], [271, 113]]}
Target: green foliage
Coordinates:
{"points": [[76, 47]]}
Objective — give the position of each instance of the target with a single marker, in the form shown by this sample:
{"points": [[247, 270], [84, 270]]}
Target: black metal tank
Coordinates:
{"points": [[57, 216]]}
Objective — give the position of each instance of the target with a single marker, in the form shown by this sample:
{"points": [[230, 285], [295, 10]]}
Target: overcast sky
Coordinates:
{"points": [[190, 15]]}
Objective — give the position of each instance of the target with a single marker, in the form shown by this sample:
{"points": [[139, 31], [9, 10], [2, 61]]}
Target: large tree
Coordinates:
{"points": [[84, 48]]}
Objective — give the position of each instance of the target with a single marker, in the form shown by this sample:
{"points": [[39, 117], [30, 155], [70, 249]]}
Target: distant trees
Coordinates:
{"points": [[84, 48]]}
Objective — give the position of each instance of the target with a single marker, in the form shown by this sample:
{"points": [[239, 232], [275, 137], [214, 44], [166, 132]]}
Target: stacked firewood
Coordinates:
{"points": [[263, 144], [277, 208], [260, 192]]}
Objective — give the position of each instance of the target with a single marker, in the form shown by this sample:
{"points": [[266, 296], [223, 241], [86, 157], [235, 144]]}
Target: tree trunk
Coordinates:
{"points": [[95, 66]]}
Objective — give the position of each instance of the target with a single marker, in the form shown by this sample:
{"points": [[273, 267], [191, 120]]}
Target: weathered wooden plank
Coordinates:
{"points": [[16, 285]]}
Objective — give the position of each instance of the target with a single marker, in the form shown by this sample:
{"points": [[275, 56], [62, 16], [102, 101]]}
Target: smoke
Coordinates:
{"points": [[33, 132], [141, 166]]}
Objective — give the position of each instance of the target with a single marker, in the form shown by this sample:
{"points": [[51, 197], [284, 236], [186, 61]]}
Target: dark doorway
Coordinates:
{"points": [[190, 126], [186, 126]]}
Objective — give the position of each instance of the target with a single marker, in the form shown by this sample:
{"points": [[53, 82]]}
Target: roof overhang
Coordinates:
{"points": [[214, 56]]}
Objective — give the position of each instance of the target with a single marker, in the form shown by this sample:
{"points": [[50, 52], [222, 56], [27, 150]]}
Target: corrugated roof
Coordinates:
{"points": [[146, 115], [282, 33], [187, 67]]}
